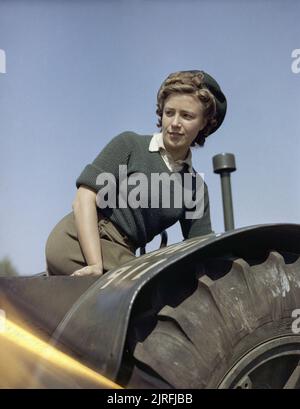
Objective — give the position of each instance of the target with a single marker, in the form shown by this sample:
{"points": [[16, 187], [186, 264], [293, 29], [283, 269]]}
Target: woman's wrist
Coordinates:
{"points": [[96, 266], [95, 269]]}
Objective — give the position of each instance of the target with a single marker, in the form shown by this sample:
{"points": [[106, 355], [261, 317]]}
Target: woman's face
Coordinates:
{"points": [[182, 120]]}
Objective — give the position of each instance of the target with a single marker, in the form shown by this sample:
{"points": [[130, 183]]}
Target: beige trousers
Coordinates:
{"points": [[64, 254]]}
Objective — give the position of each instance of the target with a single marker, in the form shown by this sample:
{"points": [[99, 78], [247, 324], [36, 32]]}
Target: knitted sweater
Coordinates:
{"points": [[143, 223]]}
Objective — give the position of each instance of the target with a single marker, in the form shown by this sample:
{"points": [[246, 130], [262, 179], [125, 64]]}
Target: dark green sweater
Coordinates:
{"points": [[142, 224]]}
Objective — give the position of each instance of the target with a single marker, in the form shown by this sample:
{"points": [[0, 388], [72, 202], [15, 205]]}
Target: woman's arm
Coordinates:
{"points": [[86, 221]]}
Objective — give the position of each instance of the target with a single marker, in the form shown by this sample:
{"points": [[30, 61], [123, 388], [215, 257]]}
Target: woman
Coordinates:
{"points": [[109, 222]]}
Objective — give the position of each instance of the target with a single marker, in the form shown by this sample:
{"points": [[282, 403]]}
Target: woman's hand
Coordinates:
{"points": [[93, 270]]}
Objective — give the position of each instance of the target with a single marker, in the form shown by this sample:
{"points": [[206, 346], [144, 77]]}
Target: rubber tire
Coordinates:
{"points": [[194, 344]]}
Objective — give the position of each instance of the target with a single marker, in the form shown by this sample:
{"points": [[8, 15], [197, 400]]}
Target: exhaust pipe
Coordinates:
{"points": [[224, 164]]}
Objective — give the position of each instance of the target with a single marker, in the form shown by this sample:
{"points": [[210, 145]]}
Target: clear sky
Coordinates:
{"points": [[80, 72]]}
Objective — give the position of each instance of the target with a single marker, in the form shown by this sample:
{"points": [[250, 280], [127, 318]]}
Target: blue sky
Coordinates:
{"points": [[80, 72]]}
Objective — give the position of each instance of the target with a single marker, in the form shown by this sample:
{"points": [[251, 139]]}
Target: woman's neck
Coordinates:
{"points": [[178, 155]]}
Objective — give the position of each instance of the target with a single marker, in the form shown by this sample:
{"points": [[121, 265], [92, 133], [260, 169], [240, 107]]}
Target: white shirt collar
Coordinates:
{"points": [[157, 145]]}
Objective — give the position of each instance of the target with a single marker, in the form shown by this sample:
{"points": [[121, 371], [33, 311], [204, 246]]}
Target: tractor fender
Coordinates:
{"points": [[95, 328]]}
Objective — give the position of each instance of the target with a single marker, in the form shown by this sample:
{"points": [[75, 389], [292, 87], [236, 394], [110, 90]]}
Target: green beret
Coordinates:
{"points": [[221, 103]]}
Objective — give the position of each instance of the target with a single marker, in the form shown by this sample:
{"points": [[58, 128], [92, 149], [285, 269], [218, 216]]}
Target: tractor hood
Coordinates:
{"points": [[89, 317]]}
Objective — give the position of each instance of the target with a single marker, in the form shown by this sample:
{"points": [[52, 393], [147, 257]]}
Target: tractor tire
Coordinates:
{"points": [[234, 327]]}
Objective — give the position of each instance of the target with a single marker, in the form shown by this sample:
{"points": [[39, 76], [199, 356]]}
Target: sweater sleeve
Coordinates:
{"points": [[115, 153], [198, 227]]}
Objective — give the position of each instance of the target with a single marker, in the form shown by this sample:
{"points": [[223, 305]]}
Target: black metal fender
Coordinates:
{"points": [[95, 327]]}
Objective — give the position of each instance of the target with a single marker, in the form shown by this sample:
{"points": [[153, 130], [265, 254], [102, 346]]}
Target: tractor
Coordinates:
{"points": [[216, 311]]}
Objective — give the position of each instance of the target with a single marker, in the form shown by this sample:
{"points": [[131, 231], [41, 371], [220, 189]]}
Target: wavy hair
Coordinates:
{"points": [[186, 82]]}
